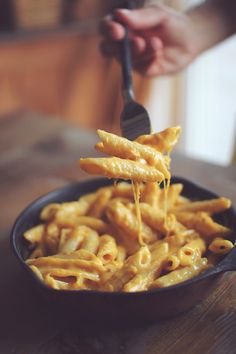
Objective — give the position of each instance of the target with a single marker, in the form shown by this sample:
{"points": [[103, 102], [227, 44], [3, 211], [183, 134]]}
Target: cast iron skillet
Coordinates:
{"points": [[141, 306]]}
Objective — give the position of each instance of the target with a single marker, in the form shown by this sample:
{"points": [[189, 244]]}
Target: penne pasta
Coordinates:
{"points": [[163, 141], [220, 246], [167, 199], [172, 262], [49, 211], [82, 237], [52, 230], [37, 272], [150, 194], [68, 212], [52, 237], [181, 200], [143, 279], [202, 223], [191, 252], [70, 240], [139, 261], [180, 275], [128, 236], [98, 206], [210, 206], [181, 237], [125, 219], [96, 224], [107, 250], [125, 149], [131, 245], [70, 261], [121, 254], [157, 221], [35, 234], [114, 167], [90, 239], [117, 146], [125, 190]]}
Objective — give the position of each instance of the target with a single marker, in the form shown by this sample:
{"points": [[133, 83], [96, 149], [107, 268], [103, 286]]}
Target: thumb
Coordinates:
{"points": [[141, 19]]}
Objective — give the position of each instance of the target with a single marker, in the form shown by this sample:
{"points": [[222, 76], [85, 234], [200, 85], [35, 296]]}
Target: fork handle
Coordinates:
{"points": [[126, 63]]}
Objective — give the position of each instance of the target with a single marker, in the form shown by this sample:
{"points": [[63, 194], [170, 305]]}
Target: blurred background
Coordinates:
{"points": [[50, 63]]}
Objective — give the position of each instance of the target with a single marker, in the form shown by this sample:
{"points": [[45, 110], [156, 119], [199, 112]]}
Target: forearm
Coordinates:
{"points": [[212, 22]]}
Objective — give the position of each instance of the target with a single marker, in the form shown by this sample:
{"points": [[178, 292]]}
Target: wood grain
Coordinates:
{"points": [[38, 155]]}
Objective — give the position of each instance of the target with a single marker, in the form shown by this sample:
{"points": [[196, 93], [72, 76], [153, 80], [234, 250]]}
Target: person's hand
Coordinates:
{"points": [[162, 39]]}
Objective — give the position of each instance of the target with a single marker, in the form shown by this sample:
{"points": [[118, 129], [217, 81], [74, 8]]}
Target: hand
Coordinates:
{"points": [[162, 39]]}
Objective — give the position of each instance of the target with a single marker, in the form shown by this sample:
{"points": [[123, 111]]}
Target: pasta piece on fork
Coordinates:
{"points": [[114, 167]]}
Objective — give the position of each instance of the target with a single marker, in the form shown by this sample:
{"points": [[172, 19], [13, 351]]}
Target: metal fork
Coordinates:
{"points": [[134, 120]]}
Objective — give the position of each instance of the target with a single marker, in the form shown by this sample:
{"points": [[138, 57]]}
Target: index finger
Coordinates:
{"points": [[111, 29], [141, 19]]}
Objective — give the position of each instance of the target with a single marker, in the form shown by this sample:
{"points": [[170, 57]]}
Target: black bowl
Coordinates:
{"points": [[140, 306]]}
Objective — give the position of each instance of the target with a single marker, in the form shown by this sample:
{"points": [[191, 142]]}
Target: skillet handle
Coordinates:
{"points": [[228, 263]]}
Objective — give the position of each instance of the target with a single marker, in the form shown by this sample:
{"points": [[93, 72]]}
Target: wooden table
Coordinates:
{"points": [[38, 155]]}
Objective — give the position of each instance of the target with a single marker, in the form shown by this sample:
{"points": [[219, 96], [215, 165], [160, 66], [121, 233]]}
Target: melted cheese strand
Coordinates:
{"points": [[166, 191], [136, 191]]}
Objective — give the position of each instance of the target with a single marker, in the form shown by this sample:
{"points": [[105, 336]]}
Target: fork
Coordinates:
{"points": [[134, 120]]}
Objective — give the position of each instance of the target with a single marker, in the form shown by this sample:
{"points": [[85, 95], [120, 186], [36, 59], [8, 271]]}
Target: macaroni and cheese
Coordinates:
{"points": [[128, 236]]}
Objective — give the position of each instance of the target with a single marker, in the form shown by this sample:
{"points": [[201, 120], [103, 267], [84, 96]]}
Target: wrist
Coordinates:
{"points": [[209, 25]]}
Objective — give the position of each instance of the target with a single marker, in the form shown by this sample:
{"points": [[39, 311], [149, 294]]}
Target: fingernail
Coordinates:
{"points": [[123, 11], [155, 43], [107, 18]]}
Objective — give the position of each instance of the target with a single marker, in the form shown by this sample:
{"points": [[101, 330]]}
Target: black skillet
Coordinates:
{"points": [[141, 306]]}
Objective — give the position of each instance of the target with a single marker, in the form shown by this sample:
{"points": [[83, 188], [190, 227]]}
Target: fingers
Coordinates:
{"points": [[135, 20], [146, 54], [111, 48], [151, 51], [150, 63], [111, 29], [139, 46], [151, 67], [141, 19], [145, 43]]}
